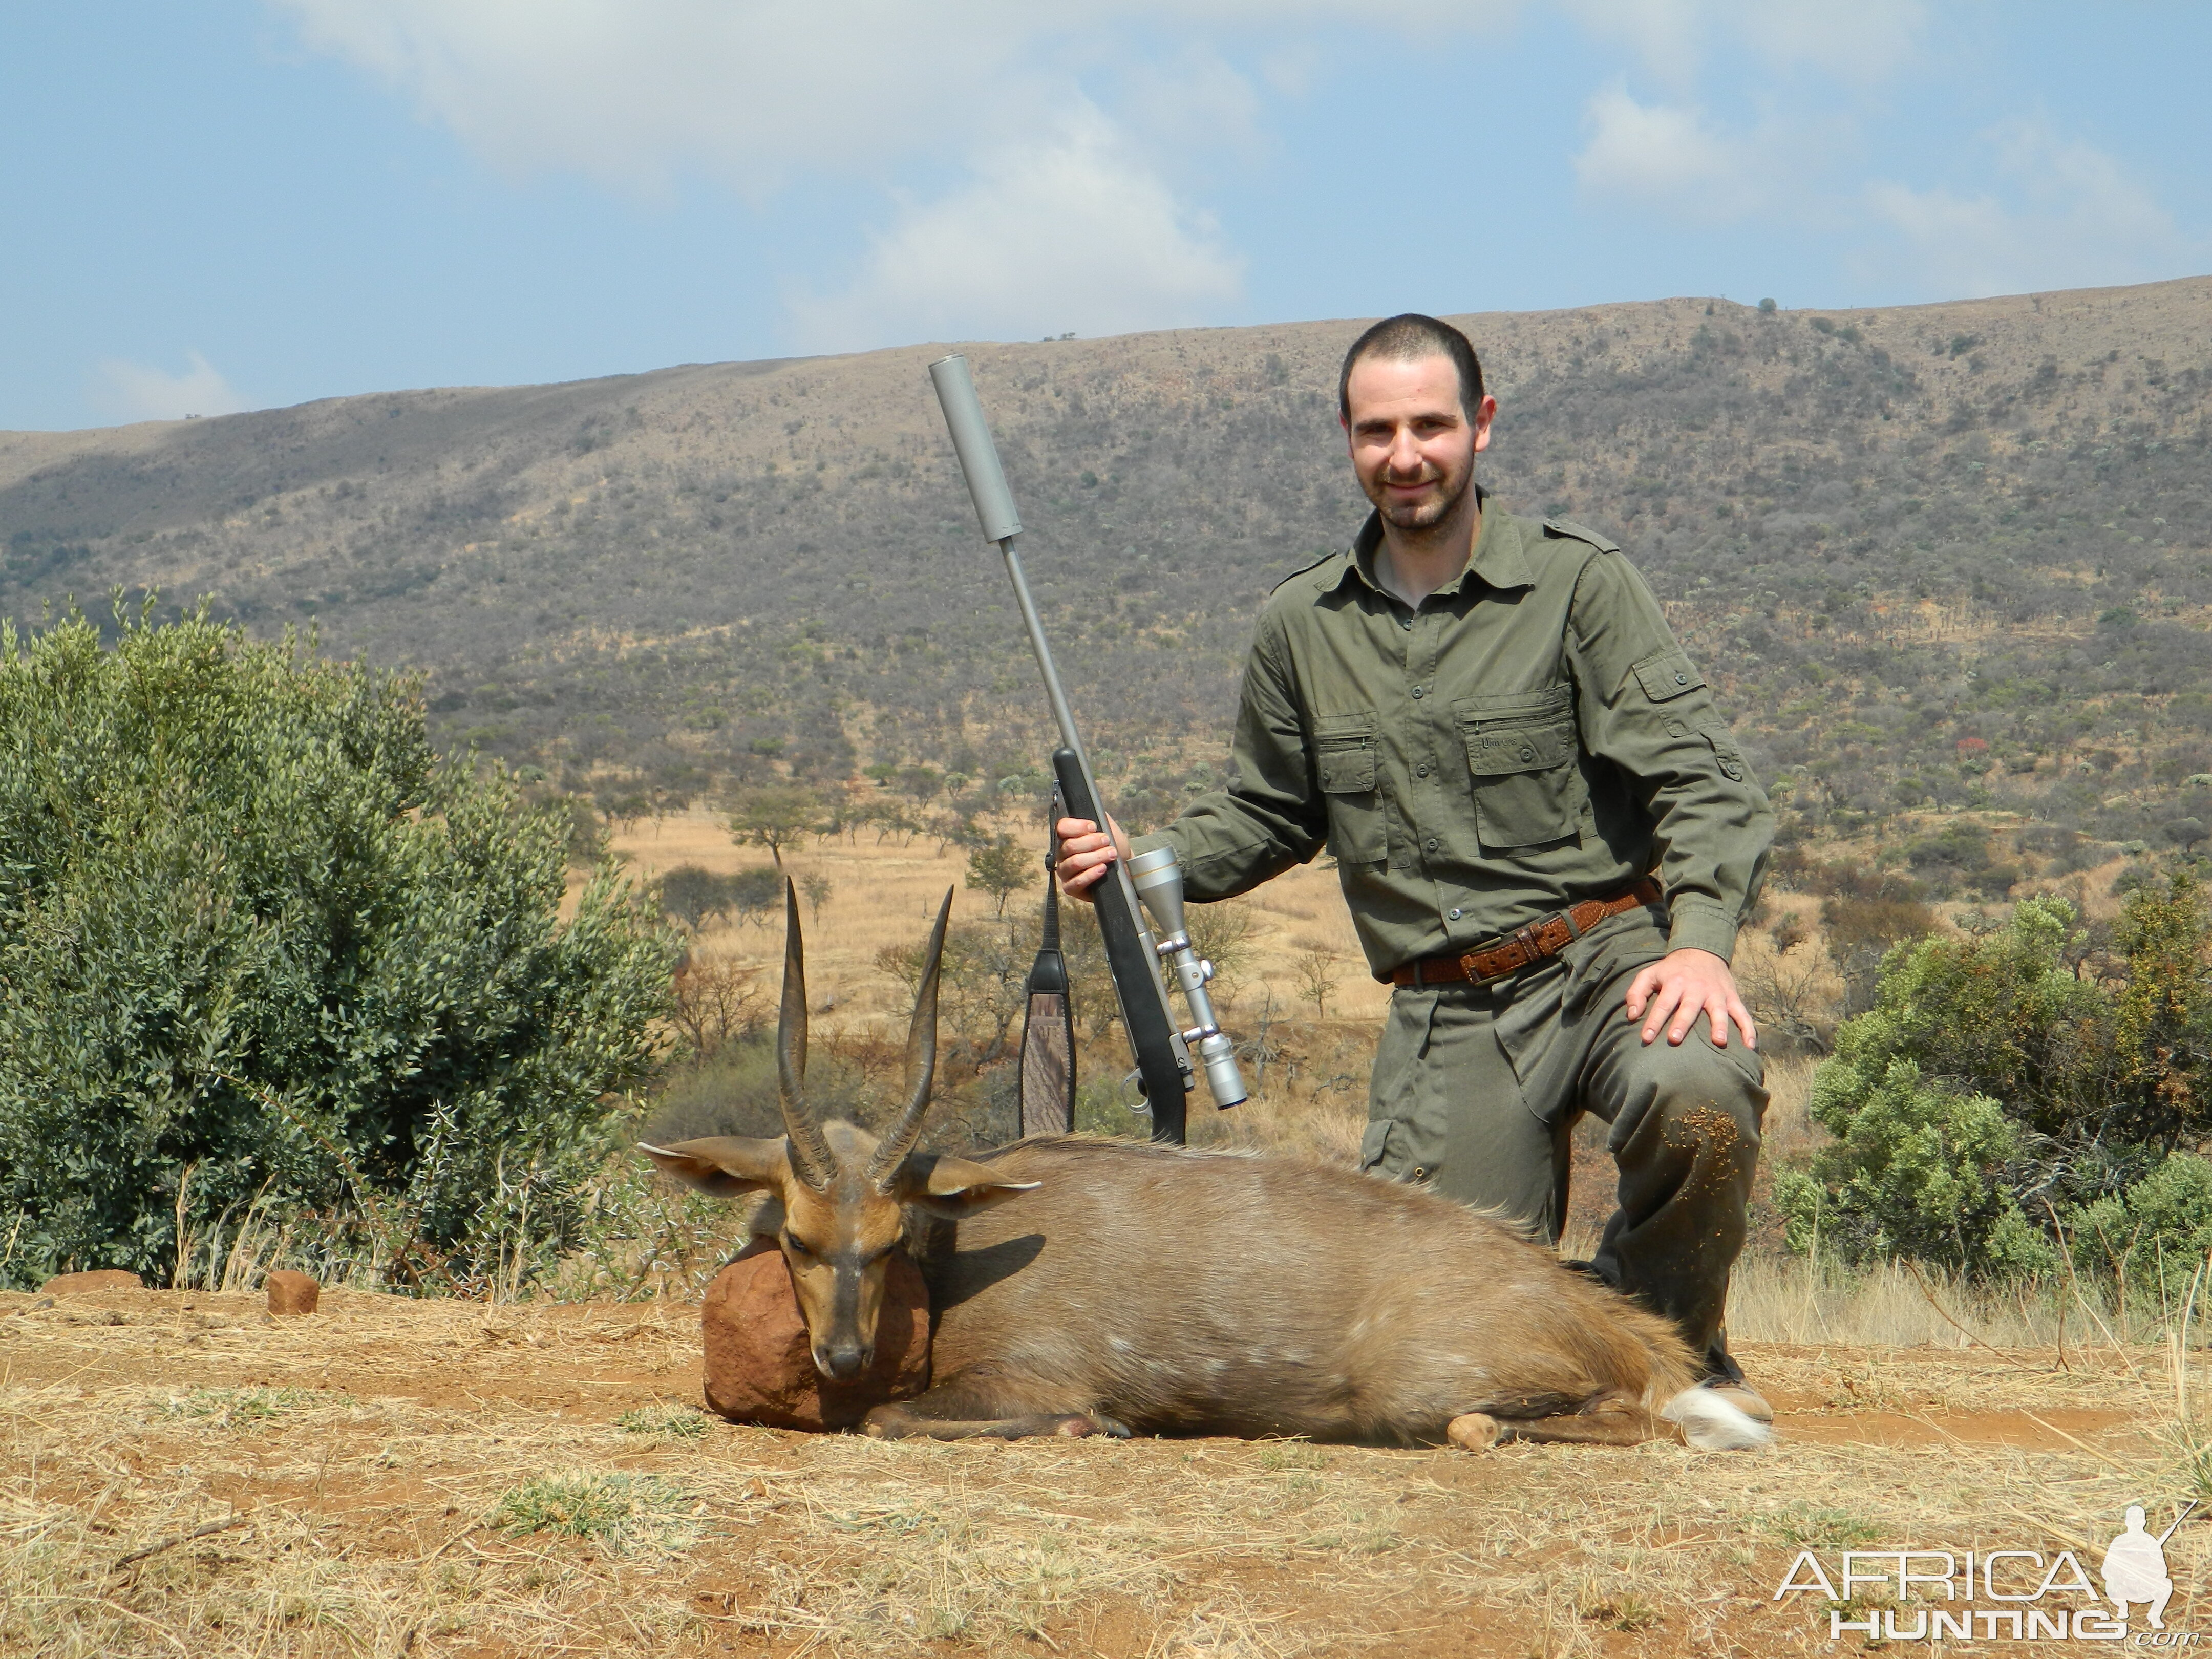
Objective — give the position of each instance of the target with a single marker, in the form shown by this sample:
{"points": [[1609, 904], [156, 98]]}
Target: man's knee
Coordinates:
{"points": [[1695, 1094]]}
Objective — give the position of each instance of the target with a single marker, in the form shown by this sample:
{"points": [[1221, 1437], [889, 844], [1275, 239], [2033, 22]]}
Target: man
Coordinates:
{"points": [[1543, 831]]}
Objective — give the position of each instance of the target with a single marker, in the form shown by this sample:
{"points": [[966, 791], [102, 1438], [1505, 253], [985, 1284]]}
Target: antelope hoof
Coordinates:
{"points": [[1472, 1433], [1083, 1425]]}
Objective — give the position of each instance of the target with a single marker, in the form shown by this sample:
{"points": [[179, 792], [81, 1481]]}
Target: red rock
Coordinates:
{"points": [[292, 1293], [99, 1278], [759, 1369]]}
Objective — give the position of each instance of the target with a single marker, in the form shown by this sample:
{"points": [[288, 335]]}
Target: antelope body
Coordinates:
{"points": [[1081, 1286]]}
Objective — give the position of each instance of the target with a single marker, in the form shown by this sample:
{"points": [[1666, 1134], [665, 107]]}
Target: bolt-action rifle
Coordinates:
{"points": [[1162, 1052]]}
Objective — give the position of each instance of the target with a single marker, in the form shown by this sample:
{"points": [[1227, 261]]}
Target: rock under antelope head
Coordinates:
{"points": [[837, 1195]]}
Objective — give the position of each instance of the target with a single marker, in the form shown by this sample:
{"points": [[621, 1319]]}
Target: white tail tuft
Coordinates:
{"points": [[1709, 1423]]}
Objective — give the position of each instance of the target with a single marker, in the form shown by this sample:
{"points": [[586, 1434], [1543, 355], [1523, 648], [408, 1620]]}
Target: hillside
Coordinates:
{"points": [[1940, 556]]}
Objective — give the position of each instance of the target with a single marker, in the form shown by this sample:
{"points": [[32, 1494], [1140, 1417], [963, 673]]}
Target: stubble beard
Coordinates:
{"points": [[1427, 514]]}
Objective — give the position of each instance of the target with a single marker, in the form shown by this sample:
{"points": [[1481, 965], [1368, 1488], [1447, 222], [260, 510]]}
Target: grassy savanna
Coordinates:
{"points": [[884, 893], [180, 1475]]}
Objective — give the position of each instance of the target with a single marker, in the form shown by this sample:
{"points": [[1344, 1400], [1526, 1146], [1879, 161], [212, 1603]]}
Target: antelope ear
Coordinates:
{"points": [[953, 1187], [725, 1166]]}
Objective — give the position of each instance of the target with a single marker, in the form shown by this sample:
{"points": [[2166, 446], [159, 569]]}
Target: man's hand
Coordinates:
{"points": [[1685, 983], [1086, 854]]}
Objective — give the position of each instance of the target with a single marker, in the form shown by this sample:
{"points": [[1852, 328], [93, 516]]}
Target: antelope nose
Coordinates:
{"points": [[843, 1362]]}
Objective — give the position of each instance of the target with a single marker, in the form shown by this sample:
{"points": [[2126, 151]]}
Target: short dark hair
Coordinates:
{"points": [[1405, 337]]}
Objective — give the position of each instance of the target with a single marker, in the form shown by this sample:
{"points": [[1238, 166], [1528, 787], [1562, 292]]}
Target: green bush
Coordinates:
{"points": [[1914, 1172], [2156, 1235], [1999, 1097], [262, 953]]}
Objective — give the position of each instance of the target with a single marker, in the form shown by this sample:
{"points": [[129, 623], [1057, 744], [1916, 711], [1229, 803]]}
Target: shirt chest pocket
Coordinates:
{"points": [[1522, 757], [1345, 765]]}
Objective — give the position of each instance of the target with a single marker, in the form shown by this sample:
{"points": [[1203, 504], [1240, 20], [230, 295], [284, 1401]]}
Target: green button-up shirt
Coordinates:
{"points": [[1530, 737]]}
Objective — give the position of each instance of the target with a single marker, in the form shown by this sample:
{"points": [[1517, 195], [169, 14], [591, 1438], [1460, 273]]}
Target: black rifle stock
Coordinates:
{"points": [[1164, 1067], [1131, 960]]}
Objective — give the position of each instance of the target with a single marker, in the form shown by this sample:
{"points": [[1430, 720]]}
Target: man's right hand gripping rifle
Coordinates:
{"points": [[1086, 853]]}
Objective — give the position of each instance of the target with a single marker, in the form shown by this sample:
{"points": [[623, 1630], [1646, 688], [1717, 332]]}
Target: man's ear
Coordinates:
{"points": [[725, 1166], [953, 1187]]}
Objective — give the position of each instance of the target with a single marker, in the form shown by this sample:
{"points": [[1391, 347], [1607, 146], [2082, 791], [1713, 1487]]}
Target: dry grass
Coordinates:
{"points": [[885, 894], [421, 1479]]}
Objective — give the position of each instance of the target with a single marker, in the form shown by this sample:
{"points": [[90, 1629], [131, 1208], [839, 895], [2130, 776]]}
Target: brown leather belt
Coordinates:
{"points": [[1486, 964]]}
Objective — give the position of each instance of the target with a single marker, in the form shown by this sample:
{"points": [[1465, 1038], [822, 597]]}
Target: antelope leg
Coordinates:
{"points": [[894, 1423], [970, 1409], [1607, 1423]]}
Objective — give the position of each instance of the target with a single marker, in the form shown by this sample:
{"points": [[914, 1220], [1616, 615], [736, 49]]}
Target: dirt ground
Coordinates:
{"points": [[390, 1478]]}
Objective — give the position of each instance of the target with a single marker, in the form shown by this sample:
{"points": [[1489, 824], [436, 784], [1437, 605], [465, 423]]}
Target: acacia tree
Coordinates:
{"points": [[775, 815], [1001, 868]]}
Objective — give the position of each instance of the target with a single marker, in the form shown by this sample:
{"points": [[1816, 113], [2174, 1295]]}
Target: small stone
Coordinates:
{"points": [[760, 1368], [99, 1278], [292, 1293]]}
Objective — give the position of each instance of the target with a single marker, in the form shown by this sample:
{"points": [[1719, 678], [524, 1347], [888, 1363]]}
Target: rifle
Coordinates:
{"points": [[1162, 1053]]}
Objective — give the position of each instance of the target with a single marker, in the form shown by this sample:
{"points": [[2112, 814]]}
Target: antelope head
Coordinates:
{"points": [[838, 1195]]}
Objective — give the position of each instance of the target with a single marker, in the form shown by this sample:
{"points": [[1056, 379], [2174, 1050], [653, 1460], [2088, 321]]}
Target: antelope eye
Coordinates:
{"points": [[797, 1247]]}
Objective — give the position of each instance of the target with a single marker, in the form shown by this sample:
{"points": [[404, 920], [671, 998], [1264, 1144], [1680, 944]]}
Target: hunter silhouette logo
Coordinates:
{"points": [[2000, 1595], [2134, 1567]]}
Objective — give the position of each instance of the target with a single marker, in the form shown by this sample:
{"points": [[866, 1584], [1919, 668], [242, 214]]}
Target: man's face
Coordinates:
{"points": [[1412, 446]]}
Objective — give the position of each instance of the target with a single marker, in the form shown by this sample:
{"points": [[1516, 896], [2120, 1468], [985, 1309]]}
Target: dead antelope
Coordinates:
{"points": [[1142, 1289]]}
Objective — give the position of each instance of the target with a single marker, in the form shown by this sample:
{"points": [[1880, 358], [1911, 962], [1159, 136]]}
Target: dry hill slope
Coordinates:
{"points": [[1884, 532]]}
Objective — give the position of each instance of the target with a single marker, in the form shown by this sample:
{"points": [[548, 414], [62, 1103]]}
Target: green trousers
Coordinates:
{"points": [[1477, 1090]]}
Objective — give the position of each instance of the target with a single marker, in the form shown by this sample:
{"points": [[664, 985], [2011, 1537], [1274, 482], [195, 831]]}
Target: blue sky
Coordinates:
{"points": [[242, 203]]}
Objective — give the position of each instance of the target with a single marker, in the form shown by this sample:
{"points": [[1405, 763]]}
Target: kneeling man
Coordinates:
{"points": [[1545, 832]]}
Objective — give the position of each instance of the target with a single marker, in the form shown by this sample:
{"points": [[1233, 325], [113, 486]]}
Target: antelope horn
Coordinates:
{"points": [[810, 1153], [921, 1059]]}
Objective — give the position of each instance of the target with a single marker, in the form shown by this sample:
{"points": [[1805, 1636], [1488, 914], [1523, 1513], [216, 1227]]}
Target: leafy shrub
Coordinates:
{"points": [[2156, 1235], [1997, 1096], [261, 953], [1914, 1173]]}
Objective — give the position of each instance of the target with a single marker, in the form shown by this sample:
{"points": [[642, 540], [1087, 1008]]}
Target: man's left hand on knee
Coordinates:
{"points": [[1682, 985]]}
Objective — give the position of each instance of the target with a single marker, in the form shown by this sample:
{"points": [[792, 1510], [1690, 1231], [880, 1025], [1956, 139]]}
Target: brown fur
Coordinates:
{"points": [[1171, 1290], [1081, 1287]]}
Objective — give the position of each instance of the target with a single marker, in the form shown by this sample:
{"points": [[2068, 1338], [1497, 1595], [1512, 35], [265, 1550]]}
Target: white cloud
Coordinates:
{"points": [[1667, 157], [139, 392], [630, 91], [2066, 215], [1863, 41], [756, 92], [1057, 223], [1072, 234]]}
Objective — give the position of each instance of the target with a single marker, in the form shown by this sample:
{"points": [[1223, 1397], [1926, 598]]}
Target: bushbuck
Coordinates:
{"points": [[1081, 1286]]}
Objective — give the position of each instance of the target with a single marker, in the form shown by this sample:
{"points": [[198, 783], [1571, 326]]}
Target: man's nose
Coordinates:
{"points": [[1404, 455]]}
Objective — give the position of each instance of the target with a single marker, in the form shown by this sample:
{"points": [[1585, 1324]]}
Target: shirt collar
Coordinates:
{"points": [[1497, 560]]}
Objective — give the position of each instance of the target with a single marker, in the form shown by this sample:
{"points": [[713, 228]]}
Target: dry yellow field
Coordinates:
{"points": [[182, 1475], [886, 893]]}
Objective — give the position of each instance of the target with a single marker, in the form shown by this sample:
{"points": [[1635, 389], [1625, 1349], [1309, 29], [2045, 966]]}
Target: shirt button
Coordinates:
{"points": [[1456, 913], [1430, 843], [1404, 621], [1527, 753], [1420, 771], [1418, 691], [1681, 679]]}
